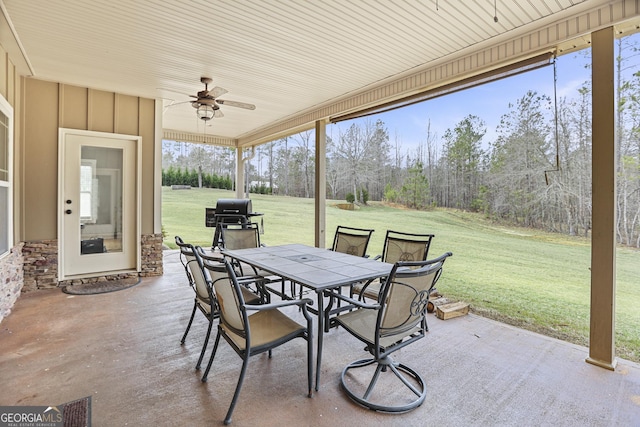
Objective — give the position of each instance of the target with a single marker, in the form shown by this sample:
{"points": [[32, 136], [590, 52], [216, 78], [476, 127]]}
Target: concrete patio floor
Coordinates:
{"points": [[123, 349]]}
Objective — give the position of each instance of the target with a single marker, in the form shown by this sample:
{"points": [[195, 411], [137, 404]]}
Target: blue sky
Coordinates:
{"points": [[489, 102]]}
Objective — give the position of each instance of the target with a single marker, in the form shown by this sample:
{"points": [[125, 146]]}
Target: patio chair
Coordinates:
{"points": [[347, 240], [385, 327], [240, 236], [205, 299], [398, 246], [252, 294], [245, 236], [352, 241], [262, 331]]}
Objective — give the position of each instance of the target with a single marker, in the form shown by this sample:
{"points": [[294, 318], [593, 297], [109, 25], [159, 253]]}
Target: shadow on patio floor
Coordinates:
{"points": [[123, 349]]}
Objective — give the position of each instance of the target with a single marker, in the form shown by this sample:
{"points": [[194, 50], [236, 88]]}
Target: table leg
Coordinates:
{"points": [[320, 337]]}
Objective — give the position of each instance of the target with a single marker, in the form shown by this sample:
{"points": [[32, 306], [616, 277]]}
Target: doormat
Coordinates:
{"points": [[77, 413], [102, 287]]}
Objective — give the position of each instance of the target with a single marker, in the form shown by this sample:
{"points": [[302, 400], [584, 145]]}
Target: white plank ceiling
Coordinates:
{"points": [[288, 57]]}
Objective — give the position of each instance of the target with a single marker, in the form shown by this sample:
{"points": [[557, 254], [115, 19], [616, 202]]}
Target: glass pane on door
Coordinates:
{"points": [[101, 200]]}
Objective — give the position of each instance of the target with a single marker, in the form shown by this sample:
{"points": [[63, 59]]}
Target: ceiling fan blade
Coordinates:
{"points": [[175, 91], [236, 104], [218, 114], [217, 91], [173, 103]]}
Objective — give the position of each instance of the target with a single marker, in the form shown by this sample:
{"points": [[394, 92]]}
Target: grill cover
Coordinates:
{"points": [[230, 211], [234, 207]]}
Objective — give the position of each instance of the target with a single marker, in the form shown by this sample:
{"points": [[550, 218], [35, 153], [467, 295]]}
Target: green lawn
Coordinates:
{"points": [[536, 280]]}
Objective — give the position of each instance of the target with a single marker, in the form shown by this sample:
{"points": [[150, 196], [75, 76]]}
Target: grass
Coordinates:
{"points": [[528, 278]]}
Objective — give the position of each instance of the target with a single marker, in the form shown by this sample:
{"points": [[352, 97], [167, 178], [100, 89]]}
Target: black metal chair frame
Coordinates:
{"points": [[188, 256], [403, 334], [223, 220], [398, 236], [245, 280], [343, 232], [405, 237], [264, 277], [245, 333], [194, 257]]}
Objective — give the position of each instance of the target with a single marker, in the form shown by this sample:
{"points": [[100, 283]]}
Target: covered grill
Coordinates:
{"points": [[229, 211]]}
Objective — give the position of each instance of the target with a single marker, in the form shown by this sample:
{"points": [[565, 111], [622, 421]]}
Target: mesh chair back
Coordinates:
{"points": [[406, 293], [185, 250], [405, 247], [242, 237], [229, 296], [352, 241], [195, 271]]}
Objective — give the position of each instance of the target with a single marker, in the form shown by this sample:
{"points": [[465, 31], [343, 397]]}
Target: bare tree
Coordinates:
{"points": [[363, 151]]}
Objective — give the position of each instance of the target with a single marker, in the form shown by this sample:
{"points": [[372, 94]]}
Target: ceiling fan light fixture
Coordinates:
{"points": [[205, 112]]}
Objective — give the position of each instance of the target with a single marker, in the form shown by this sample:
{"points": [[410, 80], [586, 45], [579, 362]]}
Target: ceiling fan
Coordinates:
{"points": [[207, 103]]}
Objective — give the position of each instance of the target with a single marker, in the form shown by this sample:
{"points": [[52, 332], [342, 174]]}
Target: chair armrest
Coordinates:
{"points": [[363, 289], [280, 304], [248, 279], [208, 257], [352, 301]]}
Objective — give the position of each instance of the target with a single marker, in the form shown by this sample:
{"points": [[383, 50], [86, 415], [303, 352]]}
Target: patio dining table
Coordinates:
{"points": [[314, 268]]}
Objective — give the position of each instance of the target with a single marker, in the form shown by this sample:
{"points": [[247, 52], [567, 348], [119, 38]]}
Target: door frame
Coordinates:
{"points": [[62, 135]]}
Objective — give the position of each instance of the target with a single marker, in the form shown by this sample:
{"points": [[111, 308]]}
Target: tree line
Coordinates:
{"points": [[536, 172], [194, 178]]}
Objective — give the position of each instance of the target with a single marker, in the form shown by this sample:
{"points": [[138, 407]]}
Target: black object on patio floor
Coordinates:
{"points": [[101, 287], [77, 413]]}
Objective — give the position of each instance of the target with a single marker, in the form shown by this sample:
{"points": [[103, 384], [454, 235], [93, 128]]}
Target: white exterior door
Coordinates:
{"points": [[98, 201]]}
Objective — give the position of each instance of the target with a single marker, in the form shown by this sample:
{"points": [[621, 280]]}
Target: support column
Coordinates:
{"points": [[603, 237], [321, 184], [157, 172], [239, 174]]}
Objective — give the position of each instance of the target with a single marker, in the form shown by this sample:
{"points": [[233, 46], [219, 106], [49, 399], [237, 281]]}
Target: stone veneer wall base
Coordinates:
{"points": [[11, 280], [33, 265]]}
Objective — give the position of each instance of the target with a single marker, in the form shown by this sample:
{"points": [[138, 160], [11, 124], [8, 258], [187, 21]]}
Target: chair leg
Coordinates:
{"points": [[193, 313], [310, 362], [206, 341], [213, 354], [245, 363]]}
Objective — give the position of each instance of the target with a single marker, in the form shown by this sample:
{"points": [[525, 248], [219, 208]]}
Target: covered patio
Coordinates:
{"points": [[130, 68], [123, 349]]}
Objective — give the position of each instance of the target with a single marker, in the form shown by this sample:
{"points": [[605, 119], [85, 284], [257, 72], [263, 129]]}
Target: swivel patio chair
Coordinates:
{"points": [[395, 322], [398, 246], [262, 331], [205, 299]]}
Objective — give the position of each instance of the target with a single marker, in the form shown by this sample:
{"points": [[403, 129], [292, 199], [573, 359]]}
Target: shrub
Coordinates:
{"points": [[362, 195], [390, 194], [350, 198]]}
